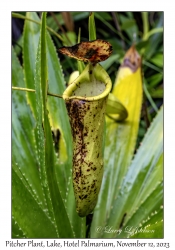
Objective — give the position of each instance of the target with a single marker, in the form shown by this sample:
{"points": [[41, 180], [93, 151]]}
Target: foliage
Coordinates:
{"points": [[131, 195]]}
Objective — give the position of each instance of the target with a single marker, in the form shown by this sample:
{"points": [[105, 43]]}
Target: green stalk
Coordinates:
{"points": [[145, 24], [92, 29], [80, 64], [23, 89]]}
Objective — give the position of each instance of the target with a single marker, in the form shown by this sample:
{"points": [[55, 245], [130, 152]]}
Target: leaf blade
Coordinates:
{"points": [[24, 204], [54, 199], [147, 160], [118, 150], [30, 45]]}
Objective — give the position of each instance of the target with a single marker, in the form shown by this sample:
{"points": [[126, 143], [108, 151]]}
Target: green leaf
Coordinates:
{"points": [[57, 112], [30, 45], [141, 45], [92, 29], [77, 15], [16, 230], [27, 195], [149, 97], [111, 60], [157, 60], [147, 205], [154, 40], [23, 127], [45, 143], [153, 31], [119, 146], [154, 80], [157, 93], [146, 171], [58, 115], [129, 26], [31, 219], [153, 231], [152, 66]]}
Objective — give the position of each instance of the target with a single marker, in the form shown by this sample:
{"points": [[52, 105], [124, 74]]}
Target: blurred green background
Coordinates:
{"points": [[121, 29]]}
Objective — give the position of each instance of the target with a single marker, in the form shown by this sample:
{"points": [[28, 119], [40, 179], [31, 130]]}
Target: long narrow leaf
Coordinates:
{"points": [[92, 29], [44, 141], [27, 195], [120, 142], [30, 45], [142, 183], [31, 219]]}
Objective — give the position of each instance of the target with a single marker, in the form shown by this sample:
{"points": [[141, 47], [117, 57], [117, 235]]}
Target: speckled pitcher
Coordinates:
{"points": [[86, 104]]}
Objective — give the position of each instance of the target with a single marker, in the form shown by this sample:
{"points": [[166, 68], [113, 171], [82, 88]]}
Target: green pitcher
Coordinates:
{"points": [[86, 105]]}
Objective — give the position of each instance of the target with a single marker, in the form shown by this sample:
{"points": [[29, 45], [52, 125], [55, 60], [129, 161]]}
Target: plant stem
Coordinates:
{"points": [[91, 72], [149, 97], [33, 90], [92, 29], [145, 24], [23, 89], [54, 95]]}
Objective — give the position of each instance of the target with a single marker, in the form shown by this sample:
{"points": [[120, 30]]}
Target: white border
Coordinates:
{"points": [[5, 96]]}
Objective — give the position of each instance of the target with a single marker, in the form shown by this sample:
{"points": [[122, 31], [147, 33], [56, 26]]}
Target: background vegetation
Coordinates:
{"points": [[121, 29]]}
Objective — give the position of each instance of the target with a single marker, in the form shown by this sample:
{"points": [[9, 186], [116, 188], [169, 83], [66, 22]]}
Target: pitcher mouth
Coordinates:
{"points": [[93, 84]]}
